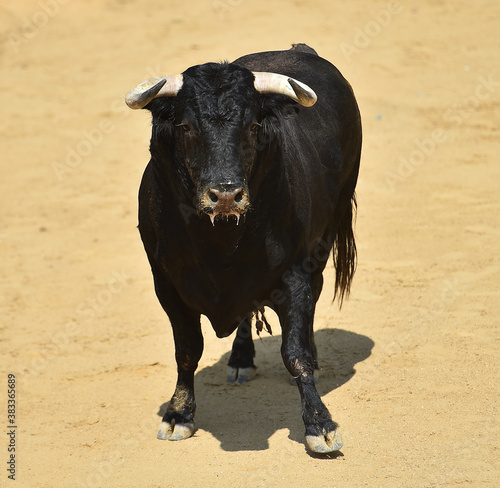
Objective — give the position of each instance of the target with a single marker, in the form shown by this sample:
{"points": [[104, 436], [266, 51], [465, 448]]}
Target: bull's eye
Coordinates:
{"points": [[184, 127], [254, 128]]}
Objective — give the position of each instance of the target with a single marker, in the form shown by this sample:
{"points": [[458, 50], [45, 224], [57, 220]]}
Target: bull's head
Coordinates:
{"points": [[210, 117]]}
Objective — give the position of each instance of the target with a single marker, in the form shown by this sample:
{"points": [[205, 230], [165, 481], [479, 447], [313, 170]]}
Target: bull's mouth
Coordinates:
{"points": [[224, 216]]}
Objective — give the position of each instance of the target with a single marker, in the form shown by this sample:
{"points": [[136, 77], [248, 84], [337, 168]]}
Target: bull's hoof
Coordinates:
{"points": [[175, 432], [240, 375], [322, 444]]}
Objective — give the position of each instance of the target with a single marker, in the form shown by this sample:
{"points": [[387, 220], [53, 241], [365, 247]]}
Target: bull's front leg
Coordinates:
{"points": [[296, 315], [178, 421]]}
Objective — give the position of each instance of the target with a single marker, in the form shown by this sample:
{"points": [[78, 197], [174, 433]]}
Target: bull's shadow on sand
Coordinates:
{"points": [[244, 417]]}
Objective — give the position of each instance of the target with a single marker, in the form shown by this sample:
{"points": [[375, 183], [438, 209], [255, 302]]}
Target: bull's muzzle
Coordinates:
{"points": [[224, 202]]}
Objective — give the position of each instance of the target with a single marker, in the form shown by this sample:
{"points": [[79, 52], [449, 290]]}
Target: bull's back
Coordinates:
{"points": [[334, 93], [333, 124]]}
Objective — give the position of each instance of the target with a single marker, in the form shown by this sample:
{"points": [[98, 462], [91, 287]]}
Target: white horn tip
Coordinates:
{"points": [[266, 82], [305, 95], [143, 93]]}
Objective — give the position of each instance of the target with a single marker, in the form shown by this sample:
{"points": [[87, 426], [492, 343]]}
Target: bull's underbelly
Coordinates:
{"points": [[226, 298]]}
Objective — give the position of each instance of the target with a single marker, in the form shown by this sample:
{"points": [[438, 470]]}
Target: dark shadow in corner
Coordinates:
{"points": [[244, 417]]}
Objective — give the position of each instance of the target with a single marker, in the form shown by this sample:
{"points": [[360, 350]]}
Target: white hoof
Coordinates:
{"points": [[173, 432], [240, 375], [232, 374], [325, 443]]}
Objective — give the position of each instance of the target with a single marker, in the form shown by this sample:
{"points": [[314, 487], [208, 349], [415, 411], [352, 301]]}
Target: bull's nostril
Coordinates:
{"points": [[225, 200], [213, 196]]}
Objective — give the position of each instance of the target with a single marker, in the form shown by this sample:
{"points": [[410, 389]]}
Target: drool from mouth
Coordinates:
{"points": [[220, 216]]}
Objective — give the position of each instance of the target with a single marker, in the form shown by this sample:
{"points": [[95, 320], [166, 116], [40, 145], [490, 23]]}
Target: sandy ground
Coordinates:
{"points": [[409, 365]]}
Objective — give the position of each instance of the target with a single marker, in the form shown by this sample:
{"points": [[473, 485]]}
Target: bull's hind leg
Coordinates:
{"points": [[296, 317], [317, 286], [240, 367], [178, 421]]}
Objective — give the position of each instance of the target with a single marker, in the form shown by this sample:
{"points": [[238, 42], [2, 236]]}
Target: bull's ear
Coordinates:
{"points": [[277, 108], [162, 109], [162, 117], [290, 111], [159, 105]]}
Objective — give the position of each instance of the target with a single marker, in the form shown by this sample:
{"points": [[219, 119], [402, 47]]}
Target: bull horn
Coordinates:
{"points": [[275, 83], [143, 93]]}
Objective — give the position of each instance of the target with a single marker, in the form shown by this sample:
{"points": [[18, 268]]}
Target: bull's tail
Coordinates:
{"points": [[344, 251]]}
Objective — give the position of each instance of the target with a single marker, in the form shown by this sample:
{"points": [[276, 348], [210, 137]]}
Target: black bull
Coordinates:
{"points": [[247, 192]]}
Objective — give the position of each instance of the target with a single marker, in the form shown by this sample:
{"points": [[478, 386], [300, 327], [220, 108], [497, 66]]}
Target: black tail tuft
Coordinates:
{"points": [[344, 252]]}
